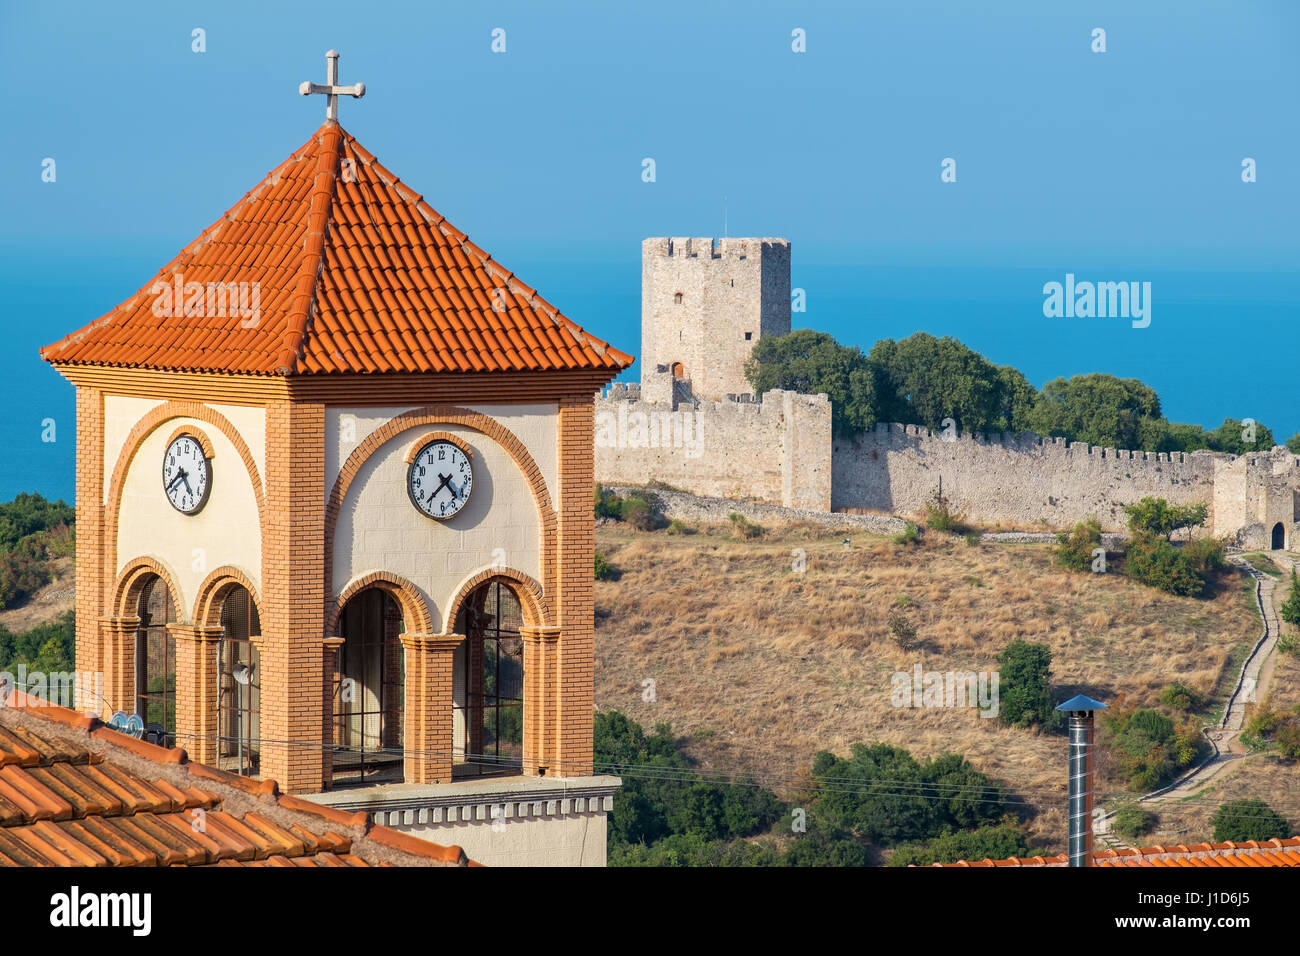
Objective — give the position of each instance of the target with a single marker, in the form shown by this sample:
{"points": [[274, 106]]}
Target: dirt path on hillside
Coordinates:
{"points": [[1229, 752]]}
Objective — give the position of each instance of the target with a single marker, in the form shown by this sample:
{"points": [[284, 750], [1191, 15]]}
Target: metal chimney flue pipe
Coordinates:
{"points": [[1082, 736]]}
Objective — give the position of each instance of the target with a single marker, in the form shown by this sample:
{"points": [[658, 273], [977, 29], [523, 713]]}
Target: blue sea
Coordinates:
{"points": [[1222, 341]]}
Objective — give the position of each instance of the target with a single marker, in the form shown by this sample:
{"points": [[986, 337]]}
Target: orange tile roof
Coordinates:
{"points": [[354, 272], [1252, 853], [76, 793]]}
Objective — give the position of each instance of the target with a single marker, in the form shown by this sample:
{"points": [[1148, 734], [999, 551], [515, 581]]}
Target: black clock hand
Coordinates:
{"points": [[446, 480], [186, 478], [172, 484]]}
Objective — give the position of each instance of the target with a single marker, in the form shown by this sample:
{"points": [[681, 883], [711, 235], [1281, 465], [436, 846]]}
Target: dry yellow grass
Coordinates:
{"points": [[759, 666]]}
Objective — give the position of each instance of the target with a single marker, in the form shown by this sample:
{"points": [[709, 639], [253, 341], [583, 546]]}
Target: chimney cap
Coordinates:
{"points": [[1081, 702]]}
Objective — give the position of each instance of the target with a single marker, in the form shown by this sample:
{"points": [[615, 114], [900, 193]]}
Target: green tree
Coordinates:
{"points": [[1249, 819], [1157, 516], [1230, 437], [813, 362], [883, 794], [1097, 409], [1290, 610], [924, 380], [1025, 685], [1293, 444]]}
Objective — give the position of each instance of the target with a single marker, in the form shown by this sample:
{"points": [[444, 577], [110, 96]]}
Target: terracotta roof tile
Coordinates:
{"points": [[334, 259], [1269, 853], [63, 803]]}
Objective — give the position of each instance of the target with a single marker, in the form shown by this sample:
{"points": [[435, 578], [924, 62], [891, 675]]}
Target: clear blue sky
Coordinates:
{"points": [[1122, 165]]}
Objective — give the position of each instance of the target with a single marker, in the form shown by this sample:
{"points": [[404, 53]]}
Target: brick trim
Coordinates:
{"points": [[135, 574], [415, 610], [536, 611], [213, 591], [448, 415], [437, 436], [199, 434]]}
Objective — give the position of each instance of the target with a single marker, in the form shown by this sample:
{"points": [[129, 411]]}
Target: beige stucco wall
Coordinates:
{"points": [[534, 426], [120, 415], [380, 530], [576, 839], [225, 532]]}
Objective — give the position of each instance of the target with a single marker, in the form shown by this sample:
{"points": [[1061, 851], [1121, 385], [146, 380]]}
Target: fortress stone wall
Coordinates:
{"points": [[692, 424], [777, 450], [1017, 480]]}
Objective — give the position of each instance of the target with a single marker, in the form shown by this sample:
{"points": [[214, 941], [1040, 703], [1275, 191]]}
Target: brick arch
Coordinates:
{"points": [[415, 610], [213, 591], [537, 612], [446, 415], [154, 419], [131, 582]]}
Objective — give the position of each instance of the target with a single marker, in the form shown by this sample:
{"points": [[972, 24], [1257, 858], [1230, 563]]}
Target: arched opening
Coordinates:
{"points": [[1279, 537], [369, 688], [678, 370], [488, 683], [239, 684], [155, 661]]}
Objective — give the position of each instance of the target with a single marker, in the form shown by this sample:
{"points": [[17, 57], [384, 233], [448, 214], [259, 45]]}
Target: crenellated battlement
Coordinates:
{"points": [[709, 247]]}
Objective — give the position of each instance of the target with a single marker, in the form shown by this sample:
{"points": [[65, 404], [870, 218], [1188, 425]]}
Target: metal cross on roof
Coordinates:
{"points": [[331, 87]]}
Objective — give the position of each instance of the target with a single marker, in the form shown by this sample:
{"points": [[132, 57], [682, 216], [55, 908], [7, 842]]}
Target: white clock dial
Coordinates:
{"points": [[440, 479], [186, 475]]}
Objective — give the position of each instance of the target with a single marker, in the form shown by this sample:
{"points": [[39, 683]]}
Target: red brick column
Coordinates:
{"points": [[427, 735], [196, 690], [540, 692], [574, 603], [329, 687], [293, 597], [117, 646], [91, 567]]}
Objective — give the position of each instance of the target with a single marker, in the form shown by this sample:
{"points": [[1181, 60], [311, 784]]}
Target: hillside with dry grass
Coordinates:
{"points": [[759, 666]]}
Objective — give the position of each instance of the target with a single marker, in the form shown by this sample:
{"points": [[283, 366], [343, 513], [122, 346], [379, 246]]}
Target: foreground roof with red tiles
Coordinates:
{"points": [[74, 792], [333, 265], [1252, 853]]}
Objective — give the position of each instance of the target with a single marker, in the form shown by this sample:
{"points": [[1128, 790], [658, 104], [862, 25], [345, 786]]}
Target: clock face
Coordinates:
{"points": [[186, 474], [440, 479]]}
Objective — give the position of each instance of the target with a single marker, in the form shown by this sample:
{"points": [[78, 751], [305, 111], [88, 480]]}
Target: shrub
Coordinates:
{"points": [[1131, 821], [1290, 610], [1154, 561], [604, 570], [1205, 554], [608, 504], [1074, 551], [972, 537], [883, 794], [1178, 696], [994, 843], [1287, 739], [742, 527], [1024, 685], [637, 512], [1249, 819], [1147, 746], [904, 631], [678, 526], [910, 534], [939, 517]]}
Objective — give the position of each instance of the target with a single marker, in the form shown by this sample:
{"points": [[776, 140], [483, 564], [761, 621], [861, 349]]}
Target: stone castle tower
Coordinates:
{"points": [[704, 303]]}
